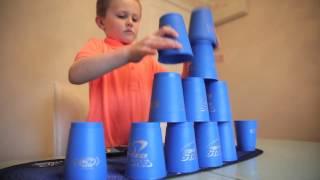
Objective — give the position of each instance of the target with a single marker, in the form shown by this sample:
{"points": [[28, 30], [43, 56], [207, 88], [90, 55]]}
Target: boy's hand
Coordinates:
{"points": [[218, 53], [150, 44]]}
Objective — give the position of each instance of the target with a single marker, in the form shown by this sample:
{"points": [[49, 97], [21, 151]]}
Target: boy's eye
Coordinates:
{"points": [[135, 19], [122, 16]]}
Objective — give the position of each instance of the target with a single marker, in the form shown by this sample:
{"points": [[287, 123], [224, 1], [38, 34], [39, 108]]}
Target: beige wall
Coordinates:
{"points": [[39, 41], [271, 66]]}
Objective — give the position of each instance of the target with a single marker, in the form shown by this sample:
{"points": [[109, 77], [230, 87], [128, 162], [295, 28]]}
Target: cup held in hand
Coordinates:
{"points": [[173, 56]]}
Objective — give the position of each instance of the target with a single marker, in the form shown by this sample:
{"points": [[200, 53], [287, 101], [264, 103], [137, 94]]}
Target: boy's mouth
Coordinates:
{"points": [[129, 31]]}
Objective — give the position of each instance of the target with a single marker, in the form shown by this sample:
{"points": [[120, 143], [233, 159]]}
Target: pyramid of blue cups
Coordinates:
{"points": [[196, 108]]}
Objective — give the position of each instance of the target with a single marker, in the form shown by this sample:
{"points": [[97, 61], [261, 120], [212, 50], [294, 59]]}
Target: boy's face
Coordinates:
{"points": [[122, 20]]}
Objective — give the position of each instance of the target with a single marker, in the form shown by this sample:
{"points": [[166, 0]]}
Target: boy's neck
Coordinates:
{"points": [[113, 42]]}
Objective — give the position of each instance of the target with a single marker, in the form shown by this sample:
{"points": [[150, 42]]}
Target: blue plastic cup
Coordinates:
{"points": [[208, 144], [173, 56], [202, 26], [218, 101], [228, 147], [195, 99], [203, 63], [86, 157], [180, 148], [246, 133], [145, 152], [167, 102]]}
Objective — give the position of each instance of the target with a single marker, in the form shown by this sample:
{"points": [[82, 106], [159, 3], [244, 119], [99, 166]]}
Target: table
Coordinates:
{"points": [[282, 159]]}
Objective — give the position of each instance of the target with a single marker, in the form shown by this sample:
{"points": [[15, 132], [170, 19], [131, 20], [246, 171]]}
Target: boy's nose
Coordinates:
{"points": [[129, 23]]}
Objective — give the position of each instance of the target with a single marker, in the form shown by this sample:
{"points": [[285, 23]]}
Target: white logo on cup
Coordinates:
{"points": [[208, 28], [137, 158], [210, 104], [251, 131], [214, 149], [204, 106], [189, 152], [87, 162]]}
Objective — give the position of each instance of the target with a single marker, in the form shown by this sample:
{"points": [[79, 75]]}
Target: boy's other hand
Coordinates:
{"points": [[218, 52], [152, 43]]}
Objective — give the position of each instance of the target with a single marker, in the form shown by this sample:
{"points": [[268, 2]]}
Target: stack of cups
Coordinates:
{"points": [[203, 41], [199, 131], [220, 111], [206, 131], [167, 103]]}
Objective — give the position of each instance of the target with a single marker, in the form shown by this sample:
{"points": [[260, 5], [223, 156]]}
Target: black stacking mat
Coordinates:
{"points": [[53, 169]]}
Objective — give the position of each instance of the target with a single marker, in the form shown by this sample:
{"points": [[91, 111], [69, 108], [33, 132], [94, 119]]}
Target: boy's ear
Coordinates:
{"points": [[100, 22]]}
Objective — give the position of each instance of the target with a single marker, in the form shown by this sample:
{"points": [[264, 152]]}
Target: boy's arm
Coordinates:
{"points": [[90, 68]]}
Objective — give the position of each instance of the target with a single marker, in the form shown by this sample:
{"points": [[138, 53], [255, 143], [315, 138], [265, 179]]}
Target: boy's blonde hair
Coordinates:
{"points": [[103, 5]]}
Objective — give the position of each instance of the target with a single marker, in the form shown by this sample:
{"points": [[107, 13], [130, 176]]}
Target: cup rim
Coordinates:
{"points": [[143, 124], [205, 122], [86, 124], [201, 8], [192, 78], [253, 122], [246, 120], [166, 74], [178, 124], [170, 14]]}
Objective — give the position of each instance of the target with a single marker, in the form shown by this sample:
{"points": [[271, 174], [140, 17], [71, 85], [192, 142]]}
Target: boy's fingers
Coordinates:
{"points": [[167, 31], [218, 42], [150, 51], [164, 43]]}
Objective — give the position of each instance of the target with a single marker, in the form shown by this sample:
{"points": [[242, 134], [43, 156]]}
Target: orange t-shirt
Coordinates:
{"points": [[121, 96]]}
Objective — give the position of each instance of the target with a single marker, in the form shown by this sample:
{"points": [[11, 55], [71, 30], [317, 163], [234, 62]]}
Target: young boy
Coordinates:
{"points": [[119, 70]]}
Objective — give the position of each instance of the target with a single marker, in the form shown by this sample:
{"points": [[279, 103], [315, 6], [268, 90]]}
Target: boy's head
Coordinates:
{"points": [[119, 19]]}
